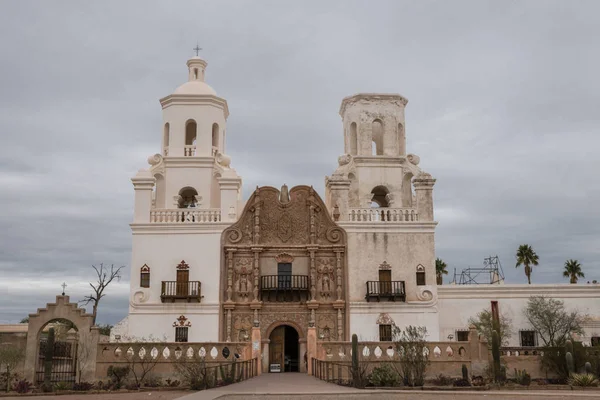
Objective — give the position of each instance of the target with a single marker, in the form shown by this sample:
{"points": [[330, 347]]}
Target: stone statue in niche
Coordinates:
{"points": [[325, 275], [242, 325], [326, 325], [244, 277]]}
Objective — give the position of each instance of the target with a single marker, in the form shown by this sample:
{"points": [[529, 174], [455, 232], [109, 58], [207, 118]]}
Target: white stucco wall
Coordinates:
{"points": [[363, 318], [457, 303], [162, 248]]}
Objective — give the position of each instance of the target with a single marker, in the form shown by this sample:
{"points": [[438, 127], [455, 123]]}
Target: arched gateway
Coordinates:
{"points": [[283, 270]]}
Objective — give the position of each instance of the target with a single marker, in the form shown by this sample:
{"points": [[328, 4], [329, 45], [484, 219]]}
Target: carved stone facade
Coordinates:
{"points": [[281, 227]]}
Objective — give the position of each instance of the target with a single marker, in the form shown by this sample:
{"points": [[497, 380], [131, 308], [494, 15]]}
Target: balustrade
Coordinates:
{"points": [[185, 215], [391, 290], [172, 290], [284, 287], [383, 214], [189, 150]]}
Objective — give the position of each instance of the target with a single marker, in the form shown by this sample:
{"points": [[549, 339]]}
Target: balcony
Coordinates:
{"points": [[185, 215], [383, 214], [390, 290], [284, 287], [173, 290]]}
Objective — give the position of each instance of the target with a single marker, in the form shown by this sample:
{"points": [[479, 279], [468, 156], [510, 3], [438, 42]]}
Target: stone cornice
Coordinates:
{"points": [[518, 291], [376, 161], [364, 307], [179, 228], [388, 227], [176, 308], [195, 99], [371, 96], [188, 162]]}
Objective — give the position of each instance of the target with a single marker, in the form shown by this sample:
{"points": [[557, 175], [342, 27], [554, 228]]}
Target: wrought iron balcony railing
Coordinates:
{"points": [[173, 290], [390, 290], [284, 287]]}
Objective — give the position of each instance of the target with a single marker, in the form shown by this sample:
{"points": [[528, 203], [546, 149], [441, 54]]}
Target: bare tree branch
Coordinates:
{"points": [[104, 278]]}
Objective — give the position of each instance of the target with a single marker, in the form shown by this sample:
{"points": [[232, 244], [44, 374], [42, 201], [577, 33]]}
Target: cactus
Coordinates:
{"points": [[48, 359], [496, 355], [570, 363], [569, 347], [588, 367], [355, 358], [522, 377], [465, 372]]}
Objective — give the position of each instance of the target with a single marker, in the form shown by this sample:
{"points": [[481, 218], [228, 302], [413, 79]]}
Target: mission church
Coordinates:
{"points": [[208, 266]]}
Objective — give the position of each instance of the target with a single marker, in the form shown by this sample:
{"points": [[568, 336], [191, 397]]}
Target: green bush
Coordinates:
{"points": [[63, 386], [23, 386], [442, 380], [384, 375], [585, 380], [83, 386], [554, 359], [117, 375], [461, 382], [522, 377]]}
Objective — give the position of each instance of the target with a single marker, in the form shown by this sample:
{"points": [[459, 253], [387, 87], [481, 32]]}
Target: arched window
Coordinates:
{"points": [[407, 190], [145, 276], [190, 132], [215, 135], [353, 139], [159, 191], [421, 275], [377, 136], [401, 140], [166, 134]]}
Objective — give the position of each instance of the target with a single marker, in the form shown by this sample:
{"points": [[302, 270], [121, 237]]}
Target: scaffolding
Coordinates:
{"points": [[491, 273]]}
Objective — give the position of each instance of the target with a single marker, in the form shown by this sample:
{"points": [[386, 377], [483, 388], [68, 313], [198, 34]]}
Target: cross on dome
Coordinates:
{"points": [[197, 49]]}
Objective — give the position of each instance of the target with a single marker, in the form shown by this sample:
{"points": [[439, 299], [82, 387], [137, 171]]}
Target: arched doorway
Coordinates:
{"points": [[58, 351], [70, 324], [284, 350]]}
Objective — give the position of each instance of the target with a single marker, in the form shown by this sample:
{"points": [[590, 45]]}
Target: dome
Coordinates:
{"points": [[195, 87]]}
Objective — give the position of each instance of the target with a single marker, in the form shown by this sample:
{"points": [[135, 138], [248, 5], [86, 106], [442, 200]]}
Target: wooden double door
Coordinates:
{"points": [[284, 350]]}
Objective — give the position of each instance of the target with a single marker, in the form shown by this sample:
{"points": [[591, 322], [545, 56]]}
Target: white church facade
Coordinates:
{"points": [[208, 265]]}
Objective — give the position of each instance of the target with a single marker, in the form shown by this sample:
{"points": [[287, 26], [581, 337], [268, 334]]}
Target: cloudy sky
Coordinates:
{"points": [[503, 111]]}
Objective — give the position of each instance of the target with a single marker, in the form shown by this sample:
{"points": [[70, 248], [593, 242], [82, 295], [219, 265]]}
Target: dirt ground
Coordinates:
{"points": [[166, 395]]}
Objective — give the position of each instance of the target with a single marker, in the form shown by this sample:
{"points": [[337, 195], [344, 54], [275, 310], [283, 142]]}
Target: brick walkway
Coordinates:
{"points": [[299, 386]]}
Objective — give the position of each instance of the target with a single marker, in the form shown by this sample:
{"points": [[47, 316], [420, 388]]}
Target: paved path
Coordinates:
{"points": [[156, 395], [301, 386], [290, 382]]}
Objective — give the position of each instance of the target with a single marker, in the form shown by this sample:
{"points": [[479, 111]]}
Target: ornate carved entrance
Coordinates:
{"points": [[284, 260]]}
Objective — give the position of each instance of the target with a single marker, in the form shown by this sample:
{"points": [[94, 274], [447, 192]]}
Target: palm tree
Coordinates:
{"points": [[440, 269], [527, 257], [573, 271]]}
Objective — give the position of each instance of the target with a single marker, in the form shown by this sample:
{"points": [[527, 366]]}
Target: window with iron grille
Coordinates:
{"points": [[528, 338], [145, 279], [595, 340], [181, 334], [385, 333], [421, 278], [462, 336]]}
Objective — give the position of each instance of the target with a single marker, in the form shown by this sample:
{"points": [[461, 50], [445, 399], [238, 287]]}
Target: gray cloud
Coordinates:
{"points": [[501, 111]]}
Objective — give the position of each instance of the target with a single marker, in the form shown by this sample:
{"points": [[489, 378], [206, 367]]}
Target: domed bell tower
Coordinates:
{"points": [[192, 170]]}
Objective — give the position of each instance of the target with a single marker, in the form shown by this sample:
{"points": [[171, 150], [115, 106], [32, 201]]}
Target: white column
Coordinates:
{"points": [[143, 183], [229, 184]]}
